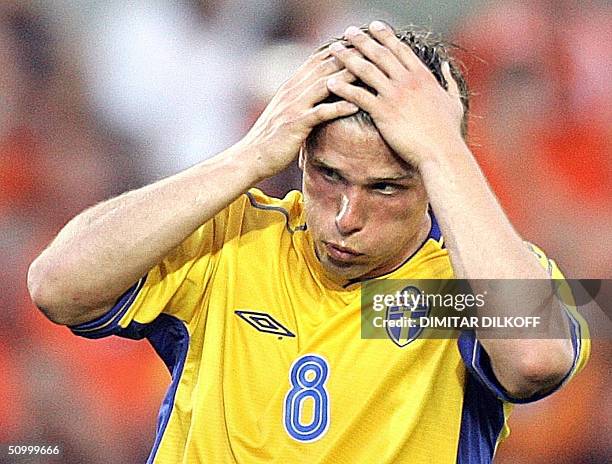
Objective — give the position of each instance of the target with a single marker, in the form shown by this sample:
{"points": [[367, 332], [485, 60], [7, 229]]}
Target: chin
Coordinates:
{"points": [[347, 271]]}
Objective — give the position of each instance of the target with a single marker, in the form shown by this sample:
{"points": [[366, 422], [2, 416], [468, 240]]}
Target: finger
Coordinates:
{"points": [[386, 36], [360, 67], [357, 95], [451, 83], [328, 111], [307, 66], [315, 58], [381, 56], [318, 90], [326, 67]]}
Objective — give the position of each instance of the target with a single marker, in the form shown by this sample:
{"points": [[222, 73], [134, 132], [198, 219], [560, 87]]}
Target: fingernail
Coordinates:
{"points": [[377, 25], [332, 82], [336, 46], [351, 31]]}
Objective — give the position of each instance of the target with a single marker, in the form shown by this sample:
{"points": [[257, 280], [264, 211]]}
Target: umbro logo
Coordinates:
{"points": [[264, 323]]}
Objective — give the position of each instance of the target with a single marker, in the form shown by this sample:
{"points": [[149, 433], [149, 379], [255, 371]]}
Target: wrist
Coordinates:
{"points": [[251, 159], [248, 161], [450, 158]]}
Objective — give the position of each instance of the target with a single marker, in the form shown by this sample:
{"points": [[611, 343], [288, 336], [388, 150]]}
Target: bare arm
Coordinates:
{"points": [[524, 366], [100, 253]]}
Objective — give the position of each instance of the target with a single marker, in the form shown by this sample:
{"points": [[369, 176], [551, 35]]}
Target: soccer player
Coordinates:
{"points": [[254, 302]]}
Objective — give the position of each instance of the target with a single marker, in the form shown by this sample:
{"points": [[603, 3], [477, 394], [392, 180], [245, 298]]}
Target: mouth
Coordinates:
{"points": [[341, 254]]}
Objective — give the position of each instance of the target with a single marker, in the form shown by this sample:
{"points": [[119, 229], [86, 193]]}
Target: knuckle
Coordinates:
{"points": [[320, 113], [384, 53], [286, 119], [360, 66], [317, 89], [358, 38], [387, 33], [312, 118], [285, 92], [286, 125], [328, 65], [400, 49], [346, 76], [353, 52], [321, 84]]}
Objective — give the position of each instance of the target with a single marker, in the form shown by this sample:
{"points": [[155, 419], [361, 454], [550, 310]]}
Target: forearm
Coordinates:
{"points": [[483, 244], [101, 252], [472, 221]]}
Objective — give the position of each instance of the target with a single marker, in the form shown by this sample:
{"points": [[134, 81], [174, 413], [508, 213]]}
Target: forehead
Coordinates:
{"points": [[357, 150]]}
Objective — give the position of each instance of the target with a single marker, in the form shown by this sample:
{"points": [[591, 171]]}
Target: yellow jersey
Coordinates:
{"points": [[268, 364]]}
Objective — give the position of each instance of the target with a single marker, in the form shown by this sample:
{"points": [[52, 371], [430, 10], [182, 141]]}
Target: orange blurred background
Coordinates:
{"points": [[96, 99]]}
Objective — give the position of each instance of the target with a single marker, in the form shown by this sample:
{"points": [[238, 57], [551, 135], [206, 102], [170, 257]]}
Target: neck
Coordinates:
{"points": [[412, 246]]}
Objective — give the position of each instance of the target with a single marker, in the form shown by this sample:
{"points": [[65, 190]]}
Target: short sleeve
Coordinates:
{"points": [[477, 360], [175, 286]]}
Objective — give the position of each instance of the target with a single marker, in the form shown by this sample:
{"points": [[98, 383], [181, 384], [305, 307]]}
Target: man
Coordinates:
{"points": [[254, 303]]}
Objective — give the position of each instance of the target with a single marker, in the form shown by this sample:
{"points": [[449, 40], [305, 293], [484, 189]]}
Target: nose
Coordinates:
{"points": [[350, 218]]}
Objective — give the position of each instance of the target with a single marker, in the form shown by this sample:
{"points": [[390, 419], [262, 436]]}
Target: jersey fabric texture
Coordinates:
{"points": [[268, 363]]}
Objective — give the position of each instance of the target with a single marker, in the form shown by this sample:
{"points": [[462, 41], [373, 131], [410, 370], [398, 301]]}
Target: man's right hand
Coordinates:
{"points": [[277, 135]]}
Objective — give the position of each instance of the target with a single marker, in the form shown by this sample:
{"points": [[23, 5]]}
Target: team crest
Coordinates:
{"points": [[408, 316]]}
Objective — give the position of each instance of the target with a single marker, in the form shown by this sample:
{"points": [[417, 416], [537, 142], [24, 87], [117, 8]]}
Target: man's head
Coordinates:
{"points": [[366, 208]]}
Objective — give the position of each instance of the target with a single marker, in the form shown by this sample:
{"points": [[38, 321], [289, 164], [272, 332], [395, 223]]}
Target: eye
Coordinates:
{"points": [[330, 174], [386, 188]]}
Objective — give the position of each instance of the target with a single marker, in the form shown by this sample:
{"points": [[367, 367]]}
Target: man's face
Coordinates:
{"points": [[365, 208]]}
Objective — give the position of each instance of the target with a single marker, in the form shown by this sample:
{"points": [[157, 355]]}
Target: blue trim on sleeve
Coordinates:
{"points": [[108, 323], [576, 337], [478, 364], [170, 340], [167, 334], [482, 420]]}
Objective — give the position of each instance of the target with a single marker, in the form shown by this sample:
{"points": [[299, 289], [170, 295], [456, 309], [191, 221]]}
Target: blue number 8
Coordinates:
{"points": [[308, 375]]}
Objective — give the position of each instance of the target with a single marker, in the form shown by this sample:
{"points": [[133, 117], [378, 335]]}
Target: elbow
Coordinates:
{"points": [[538, 374], [45, 292]]}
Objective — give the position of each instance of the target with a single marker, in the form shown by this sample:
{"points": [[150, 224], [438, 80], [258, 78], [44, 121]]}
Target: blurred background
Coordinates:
{"points": [[100, 97]]}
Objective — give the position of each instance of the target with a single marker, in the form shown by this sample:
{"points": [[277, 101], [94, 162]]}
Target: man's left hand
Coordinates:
{"points": [[416, 116]]}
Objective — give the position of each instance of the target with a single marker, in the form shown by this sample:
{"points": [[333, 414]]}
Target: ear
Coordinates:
{"points": [[301, 157]]}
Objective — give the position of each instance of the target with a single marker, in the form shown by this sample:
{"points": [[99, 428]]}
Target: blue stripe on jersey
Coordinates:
{"points": [[168, 336], [478, 363], [170, 339], [482, 420], [108, 323]]}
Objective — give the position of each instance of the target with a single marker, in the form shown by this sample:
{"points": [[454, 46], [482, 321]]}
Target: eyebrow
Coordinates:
{"points": [[371, 180]]}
